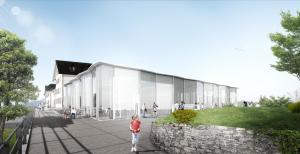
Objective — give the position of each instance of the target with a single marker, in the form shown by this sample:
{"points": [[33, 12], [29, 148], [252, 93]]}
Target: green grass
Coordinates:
{"points": [[250, 118], [6, 134], [276, 122]]}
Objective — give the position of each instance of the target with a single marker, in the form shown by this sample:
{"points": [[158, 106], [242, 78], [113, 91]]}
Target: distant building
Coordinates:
{"points": [[64, 71], [49, 96]]}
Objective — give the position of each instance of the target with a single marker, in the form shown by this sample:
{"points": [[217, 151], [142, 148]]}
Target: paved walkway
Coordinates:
{"points": [[53, 135]]}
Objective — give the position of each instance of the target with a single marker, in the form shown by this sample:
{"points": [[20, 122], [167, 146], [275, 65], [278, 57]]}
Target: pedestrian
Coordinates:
{"points": [[181, 106], [155, 109], [73, 113], [245, 103], [144, 109], [65, 113], [135, 126], [196, 106]]}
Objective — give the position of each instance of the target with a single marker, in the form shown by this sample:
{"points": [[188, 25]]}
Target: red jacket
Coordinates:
{"points": [[135, 126]]}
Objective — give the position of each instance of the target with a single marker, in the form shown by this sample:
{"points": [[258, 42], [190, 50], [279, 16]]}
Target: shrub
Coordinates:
{"points": [[274, 101], [184, 116], [294, 107], [289, 140], [229, 105]]}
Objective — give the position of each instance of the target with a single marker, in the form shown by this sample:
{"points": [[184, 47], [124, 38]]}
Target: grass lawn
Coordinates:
{"points": [[251, 118], [277, 122]]}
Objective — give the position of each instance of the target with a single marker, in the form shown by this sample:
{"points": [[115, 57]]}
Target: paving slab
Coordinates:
{"points": [[52, 134]]}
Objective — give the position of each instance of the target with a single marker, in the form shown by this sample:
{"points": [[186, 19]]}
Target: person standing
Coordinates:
{"points": [[73, 113], [135, 126]]}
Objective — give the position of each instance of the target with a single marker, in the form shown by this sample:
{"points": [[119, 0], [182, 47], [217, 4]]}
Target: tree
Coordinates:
{"points": [[16, 76], [287, 45]]}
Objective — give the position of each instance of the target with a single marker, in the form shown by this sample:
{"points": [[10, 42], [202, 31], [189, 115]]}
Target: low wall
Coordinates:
{"points": [[210, 139]]}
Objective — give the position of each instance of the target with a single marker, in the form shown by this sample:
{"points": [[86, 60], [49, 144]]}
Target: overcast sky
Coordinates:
{"points": [[226, 42]]}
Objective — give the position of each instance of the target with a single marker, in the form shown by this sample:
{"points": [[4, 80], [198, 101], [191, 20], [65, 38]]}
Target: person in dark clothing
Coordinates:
{"points": [[181, 106], [245, 104]]}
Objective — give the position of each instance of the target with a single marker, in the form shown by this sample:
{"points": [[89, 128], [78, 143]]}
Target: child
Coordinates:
{"points": [[135, 129]]}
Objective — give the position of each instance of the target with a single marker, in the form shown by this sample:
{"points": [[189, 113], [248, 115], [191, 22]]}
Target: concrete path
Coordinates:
{"points": [[53, 135]]}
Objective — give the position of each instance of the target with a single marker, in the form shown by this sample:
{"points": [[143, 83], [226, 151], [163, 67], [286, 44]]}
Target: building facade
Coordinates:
{"points": [[64, 72], [106, 91]]}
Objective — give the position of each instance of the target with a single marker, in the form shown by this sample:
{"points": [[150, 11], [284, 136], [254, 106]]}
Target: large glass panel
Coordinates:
{"points": [[233, 96], [148, 93], [222, 95], [94, 110], [126, 93], [215, 96], [164, 95], [227, 93], [106, 105], [178, 90], [200, 90], [87, 94], [208, 95], [190, 90]]}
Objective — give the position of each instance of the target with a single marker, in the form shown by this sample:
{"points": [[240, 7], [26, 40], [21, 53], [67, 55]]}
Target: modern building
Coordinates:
{"points": [[106, 91], [64, 71]]}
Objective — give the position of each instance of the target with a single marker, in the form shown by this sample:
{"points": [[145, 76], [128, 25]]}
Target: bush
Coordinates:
{"points": [[274, 101], [294, 107], [184, 116], [289, 141], [229, 105]]}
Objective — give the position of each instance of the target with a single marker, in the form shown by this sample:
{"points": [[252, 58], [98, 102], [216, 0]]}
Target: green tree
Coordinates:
{"points": [[287, 45], [16, 76]]}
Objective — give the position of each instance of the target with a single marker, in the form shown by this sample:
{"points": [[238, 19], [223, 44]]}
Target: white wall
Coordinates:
{"points": [[76, 94]]}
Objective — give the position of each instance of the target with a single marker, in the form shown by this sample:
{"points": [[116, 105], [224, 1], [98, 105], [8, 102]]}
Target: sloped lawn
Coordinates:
{"points": [[277, 122]]}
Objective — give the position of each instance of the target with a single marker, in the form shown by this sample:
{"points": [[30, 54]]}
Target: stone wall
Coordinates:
{"points": [[185, 139]]}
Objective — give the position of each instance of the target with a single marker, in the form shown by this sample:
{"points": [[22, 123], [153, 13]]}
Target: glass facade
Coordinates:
{"points": [[111, 92]]}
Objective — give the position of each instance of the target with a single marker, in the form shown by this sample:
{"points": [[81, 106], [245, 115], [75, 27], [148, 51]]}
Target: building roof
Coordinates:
{"points": [[50, 87], [90, 69], [71, 68]]}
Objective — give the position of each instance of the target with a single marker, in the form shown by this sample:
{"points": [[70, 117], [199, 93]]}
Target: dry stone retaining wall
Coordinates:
{"points": [[184, 139]]}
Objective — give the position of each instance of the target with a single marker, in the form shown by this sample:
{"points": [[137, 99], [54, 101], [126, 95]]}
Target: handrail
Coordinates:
{"points": [[20, 132]]}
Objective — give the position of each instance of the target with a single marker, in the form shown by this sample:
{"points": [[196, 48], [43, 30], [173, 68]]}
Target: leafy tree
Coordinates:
{"points": [[273, 101], [287, 45], [16, 76]]}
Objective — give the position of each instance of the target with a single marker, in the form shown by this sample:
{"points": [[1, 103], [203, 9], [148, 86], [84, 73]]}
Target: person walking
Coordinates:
{"points": [[155, 109], [135, 128], [144, 109]]}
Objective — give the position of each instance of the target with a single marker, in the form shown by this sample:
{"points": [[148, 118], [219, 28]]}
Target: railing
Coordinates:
{"points": [[20, 133]]}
